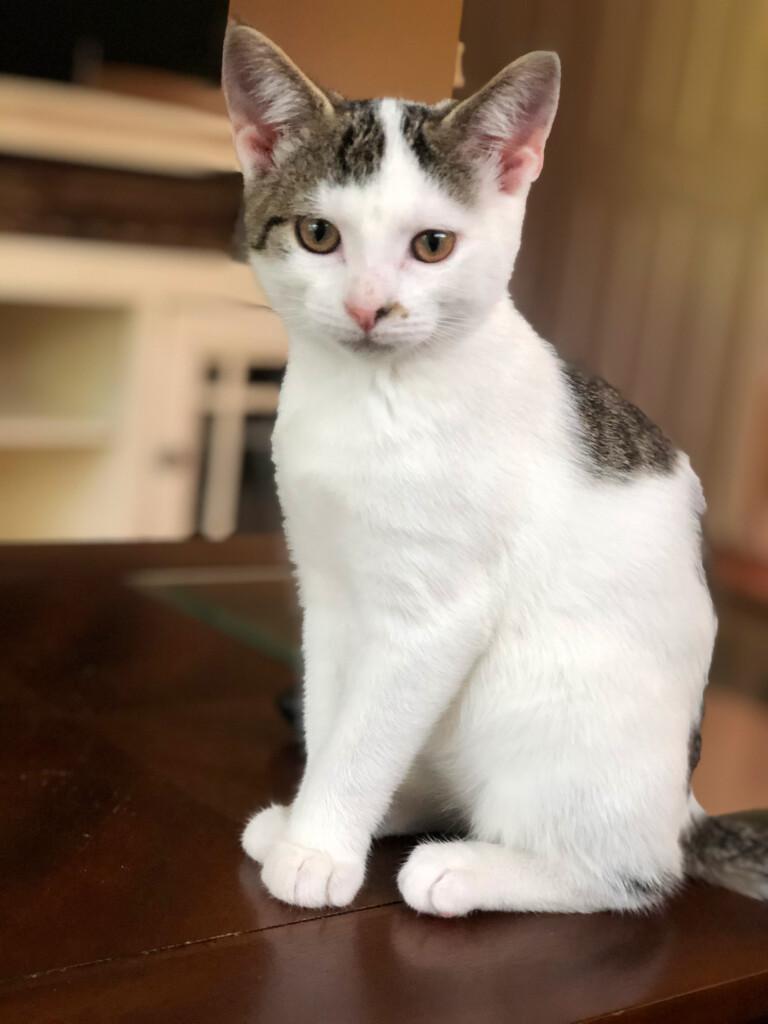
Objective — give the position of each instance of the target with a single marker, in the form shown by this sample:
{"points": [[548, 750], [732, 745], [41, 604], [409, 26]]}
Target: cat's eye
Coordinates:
{"points": [[433, 246], [317, 235]]}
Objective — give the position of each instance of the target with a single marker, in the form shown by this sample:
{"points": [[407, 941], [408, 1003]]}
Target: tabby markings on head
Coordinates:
{"points": [[349, 149]]}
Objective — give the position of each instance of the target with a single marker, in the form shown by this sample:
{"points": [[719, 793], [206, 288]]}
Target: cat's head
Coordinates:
{"points": [[382, 225]]}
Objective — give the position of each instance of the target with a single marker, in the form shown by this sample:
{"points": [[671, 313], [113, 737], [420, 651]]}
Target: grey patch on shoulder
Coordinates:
{"points": [[620, 439], [347, 147], [436, 151]]}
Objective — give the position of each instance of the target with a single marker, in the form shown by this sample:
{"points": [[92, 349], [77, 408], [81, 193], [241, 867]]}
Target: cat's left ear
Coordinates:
{"points": [[271, 103], [508, 121]]}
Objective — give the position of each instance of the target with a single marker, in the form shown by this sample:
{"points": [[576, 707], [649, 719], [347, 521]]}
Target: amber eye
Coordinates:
{"points": [[433, 246], [317, 235]]}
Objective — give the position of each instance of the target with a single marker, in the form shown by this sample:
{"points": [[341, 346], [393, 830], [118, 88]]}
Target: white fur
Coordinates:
{"points": [[494, 639]]}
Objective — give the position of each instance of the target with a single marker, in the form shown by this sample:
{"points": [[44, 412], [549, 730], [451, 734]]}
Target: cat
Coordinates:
{"points": [[506, 626]]}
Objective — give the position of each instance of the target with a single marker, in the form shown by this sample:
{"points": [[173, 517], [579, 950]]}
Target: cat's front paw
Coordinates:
{"points": [[438, 879], [310, 878], [263, 830]]}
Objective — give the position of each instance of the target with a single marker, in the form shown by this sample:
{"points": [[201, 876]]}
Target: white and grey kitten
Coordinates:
{"points": [[507, 631]]}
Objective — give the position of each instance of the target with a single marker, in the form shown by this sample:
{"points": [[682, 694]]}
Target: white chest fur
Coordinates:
{"points": [[377, 468]]}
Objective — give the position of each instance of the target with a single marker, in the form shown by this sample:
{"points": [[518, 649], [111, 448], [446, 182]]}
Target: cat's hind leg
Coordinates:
{"points": [[451, 879]]}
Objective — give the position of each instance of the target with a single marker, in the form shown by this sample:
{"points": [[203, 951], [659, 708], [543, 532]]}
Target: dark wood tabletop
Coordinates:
{"points": [[135, 740]]}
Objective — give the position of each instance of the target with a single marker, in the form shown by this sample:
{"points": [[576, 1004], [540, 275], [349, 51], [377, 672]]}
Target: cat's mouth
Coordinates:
{"points": [[365, 343]]}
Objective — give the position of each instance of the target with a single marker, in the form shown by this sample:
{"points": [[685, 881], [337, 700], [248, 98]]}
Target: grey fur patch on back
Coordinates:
{"points": [[730, 850], [619, 438], [346, 148]]}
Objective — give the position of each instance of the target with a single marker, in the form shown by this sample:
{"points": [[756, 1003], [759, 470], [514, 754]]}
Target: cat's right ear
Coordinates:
{"points": [[508, 120], [270, 101]]}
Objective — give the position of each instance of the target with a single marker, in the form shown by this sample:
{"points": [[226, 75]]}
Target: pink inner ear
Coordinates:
{"points": [[520, 165], [254, 144], [520, 158]]}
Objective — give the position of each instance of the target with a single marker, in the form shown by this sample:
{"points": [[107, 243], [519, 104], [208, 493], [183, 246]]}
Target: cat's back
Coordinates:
{"points": [[616, 440], [630, 537], [634, 490]]}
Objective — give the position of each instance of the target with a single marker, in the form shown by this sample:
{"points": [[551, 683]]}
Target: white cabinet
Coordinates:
{"points": [[103, 357]]}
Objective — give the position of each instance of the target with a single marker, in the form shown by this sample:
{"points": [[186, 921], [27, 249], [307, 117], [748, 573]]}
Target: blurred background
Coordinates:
{"points": [[140, 362]]}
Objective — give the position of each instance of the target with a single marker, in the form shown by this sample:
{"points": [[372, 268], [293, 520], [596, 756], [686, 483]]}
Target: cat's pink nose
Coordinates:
{"points": [[364, 316]]}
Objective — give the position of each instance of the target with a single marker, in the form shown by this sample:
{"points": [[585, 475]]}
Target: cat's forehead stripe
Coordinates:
{"points": [[361, 148]]}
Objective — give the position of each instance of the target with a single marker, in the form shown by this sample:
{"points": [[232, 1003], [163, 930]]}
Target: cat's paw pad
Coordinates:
{"points": [[263, 830], [310, 878], [438, 879]]}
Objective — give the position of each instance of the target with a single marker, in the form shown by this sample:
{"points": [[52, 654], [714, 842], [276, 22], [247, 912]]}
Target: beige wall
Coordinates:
{"points": [[387, 48], [646, 247]]}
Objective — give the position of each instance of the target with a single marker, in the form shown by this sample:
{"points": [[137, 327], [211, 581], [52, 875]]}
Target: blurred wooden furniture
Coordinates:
{"points": [[131, 343], [103, 386], [742, 574], [82, 125], [136, 740], [126, 327]]}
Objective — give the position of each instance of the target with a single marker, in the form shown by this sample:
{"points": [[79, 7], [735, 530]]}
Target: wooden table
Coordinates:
{"points": [[135, 740]]}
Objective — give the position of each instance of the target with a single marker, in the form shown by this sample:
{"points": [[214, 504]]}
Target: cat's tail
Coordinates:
{"points": [[730, 850]]}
